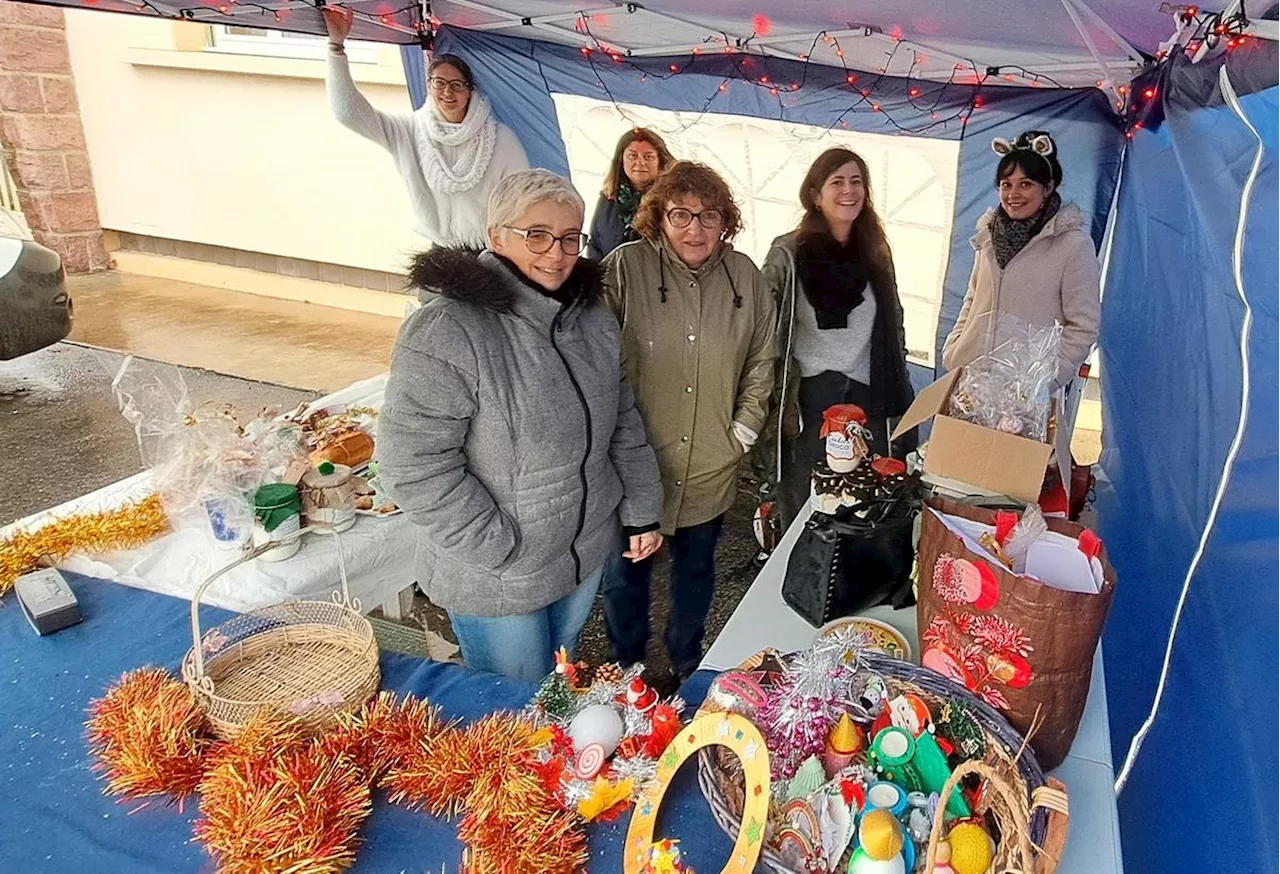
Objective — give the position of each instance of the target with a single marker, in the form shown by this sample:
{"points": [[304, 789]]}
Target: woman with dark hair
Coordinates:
{"points": [[1033, 260], [640, 157], [840, 333], [450, 153], [697, 344]]}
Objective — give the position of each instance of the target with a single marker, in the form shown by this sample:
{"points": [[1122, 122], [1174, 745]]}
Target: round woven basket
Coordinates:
{"points": [[1029, 808], [306, 659]]}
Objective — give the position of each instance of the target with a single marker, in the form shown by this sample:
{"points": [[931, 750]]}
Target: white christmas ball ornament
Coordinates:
{"points": [[598, 724]]}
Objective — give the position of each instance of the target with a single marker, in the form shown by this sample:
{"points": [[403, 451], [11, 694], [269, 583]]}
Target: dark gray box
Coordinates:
{"points": [[47, 601]]}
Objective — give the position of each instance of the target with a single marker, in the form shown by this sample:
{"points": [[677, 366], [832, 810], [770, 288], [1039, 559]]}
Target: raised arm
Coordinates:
{"points": [[349, 106]]}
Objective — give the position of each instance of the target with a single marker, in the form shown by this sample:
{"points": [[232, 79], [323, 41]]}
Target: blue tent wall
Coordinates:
{"points": [[1201, 796], [519, 76]]}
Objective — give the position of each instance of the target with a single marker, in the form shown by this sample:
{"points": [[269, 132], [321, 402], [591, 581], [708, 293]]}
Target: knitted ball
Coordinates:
{"points": [[880, 834], [972, 849]]}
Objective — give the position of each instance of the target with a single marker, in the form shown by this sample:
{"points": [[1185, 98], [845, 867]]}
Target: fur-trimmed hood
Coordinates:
{"points": [[1068, 218], [461, 274]]}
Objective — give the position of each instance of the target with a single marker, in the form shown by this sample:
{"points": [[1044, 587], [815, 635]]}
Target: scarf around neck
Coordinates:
{"points": [[1011, 236], [628, 200], [478, 131], [833, 277]]}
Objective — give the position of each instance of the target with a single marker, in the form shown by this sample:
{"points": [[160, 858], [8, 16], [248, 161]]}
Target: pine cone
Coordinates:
{"points": [[609, 673]]}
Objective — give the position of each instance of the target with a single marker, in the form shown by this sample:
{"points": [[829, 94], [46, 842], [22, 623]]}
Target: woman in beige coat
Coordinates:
{"points": [[698, 346], [1033, 260]]}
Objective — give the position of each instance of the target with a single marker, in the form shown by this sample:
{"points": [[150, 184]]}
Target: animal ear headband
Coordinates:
{"points": [[1042, 145]]}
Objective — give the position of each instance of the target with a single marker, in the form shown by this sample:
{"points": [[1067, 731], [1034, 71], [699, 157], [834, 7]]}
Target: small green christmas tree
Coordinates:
{"points": [[556, 696]]}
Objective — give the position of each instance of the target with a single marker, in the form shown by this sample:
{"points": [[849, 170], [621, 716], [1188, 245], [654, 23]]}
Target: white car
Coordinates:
{"points": [[35, 309]]}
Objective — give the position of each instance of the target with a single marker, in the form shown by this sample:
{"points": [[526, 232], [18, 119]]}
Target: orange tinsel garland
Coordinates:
{"points": [[274, 800], [513, 824], [145, 733], [127, 527], [276, 803]]}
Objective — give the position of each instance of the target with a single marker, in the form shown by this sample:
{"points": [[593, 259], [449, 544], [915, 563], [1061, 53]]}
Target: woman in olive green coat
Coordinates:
{"points": [[698, 348]]}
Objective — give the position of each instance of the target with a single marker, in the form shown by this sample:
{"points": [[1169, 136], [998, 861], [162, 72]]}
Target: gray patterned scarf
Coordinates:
{"points": [[1011, 236]]}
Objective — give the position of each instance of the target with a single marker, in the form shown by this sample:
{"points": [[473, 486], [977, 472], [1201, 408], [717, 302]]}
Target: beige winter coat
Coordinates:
{"points": [[698, 362], [1054, 279]]}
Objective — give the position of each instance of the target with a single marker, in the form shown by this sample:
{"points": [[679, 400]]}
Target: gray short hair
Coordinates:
{"points": [[521, 190]]}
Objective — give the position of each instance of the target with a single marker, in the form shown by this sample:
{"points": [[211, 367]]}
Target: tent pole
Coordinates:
{"points": [[542, 19], [1093, 50], [1122, 43], [503, 15]]}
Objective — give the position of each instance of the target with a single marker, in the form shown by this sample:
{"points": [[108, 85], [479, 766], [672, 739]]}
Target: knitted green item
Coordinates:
{"points": [[273, 503]]}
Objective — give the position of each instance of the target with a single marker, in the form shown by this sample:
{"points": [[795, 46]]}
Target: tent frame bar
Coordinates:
{"points": [[1123, 44], [1109, 81]]}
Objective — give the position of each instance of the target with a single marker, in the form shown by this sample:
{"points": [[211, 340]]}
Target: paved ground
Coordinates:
{"points": [[283, 342], [61, 434]]}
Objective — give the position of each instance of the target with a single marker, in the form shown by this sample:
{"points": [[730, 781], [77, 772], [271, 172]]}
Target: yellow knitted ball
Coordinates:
{"points": [[972, 849], [880, 835]]}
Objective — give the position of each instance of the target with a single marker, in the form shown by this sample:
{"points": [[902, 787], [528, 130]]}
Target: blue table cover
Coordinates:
{"points": [[56, 819]]}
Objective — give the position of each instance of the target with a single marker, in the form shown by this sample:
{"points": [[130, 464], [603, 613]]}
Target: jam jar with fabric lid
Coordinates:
{"points": [[846, 436]]}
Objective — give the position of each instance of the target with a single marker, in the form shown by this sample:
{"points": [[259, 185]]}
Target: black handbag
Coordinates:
{"points": [[847, 563]]}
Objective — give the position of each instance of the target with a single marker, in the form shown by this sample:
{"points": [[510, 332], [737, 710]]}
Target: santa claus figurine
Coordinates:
{"points": [[641, 696]]}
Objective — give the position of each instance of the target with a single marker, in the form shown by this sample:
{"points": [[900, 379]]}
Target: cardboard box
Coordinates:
{"points": [[1003, 464]]}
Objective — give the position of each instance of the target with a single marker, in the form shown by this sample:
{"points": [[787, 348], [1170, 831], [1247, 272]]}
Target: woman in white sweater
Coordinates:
{"points": [[450, 153]]}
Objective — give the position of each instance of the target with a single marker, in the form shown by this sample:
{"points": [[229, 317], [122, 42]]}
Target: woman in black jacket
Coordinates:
{"points": [[840, 334], [640, 158]]}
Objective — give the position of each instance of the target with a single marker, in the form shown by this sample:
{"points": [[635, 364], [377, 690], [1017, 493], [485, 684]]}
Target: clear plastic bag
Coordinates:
{"points": [[1010, 389], [205, 463]]}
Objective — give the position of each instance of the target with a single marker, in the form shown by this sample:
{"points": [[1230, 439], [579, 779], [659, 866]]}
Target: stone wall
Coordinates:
{"points": [[43, 138]]}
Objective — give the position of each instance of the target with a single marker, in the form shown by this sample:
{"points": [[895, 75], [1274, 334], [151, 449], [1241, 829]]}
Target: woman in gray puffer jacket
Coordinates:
{"points": [[509, 436]]}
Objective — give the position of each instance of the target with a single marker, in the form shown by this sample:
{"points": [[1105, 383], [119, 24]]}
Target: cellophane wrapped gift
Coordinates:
{"points": [[1010, 389], [204, 460]]}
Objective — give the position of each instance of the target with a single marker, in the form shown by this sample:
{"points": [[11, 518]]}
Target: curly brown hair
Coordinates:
{"points": [[687, 179]]}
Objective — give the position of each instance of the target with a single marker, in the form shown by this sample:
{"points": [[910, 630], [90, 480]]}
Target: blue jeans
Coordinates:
{"points": [[693, 579], [523, 646]]}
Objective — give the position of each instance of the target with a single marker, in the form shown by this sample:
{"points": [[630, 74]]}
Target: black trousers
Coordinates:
{"points": [[817, 393]]}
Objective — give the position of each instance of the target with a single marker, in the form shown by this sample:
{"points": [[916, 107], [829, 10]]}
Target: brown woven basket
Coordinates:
{"points": [[308, 659], [1030, 808]]}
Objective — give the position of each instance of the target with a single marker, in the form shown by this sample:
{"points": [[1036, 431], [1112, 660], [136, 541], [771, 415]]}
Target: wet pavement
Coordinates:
{"points": [[62, 436], [278, 341]]}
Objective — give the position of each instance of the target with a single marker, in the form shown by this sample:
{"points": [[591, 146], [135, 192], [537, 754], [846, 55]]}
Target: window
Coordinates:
{"points": [[764, 161], [279, 44]]}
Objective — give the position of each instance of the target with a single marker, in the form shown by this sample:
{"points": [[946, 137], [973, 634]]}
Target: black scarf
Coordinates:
{"points": [[834, 278], [1011, 236]]}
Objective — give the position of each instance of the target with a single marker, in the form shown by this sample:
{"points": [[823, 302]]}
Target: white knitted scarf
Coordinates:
{"points": [[478, 130]]}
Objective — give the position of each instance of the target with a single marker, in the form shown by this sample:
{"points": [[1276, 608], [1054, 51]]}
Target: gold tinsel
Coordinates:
{"points": [[128, 527]]}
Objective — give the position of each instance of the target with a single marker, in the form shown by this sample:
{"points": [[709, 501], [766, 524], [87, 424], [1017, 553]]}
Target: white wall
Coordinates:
{"points": [[235, 150], [764, 161]]}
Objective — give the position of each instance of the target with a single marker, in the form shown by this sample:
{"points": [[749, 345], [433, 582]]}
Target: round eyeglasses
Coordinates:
{"points": [[682, 218], [539, 242], [454, 86]]}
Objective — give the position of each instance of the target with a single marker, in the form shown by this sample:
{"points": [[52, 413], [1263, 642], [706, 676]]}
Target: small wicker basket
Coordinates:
{"points": [[1030, 808], [308, 659]]}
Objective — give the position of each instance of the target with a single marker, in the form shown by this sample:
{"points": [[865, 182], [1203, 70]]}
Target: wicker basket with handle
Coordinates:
{"points": [[1031, 809], [307, 659]]}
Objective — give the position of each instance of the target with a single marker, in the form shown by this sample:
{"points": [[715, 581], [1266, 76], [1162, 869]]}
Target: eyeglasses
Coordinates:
{"points": [[454, 86], [641, 157], [682, 218], [539, 242]]}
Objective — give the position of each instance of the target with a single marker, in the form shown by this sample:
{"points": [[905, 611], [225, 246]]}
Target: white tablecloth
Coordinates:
{"points": [[378, 550], [763, 619]]}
